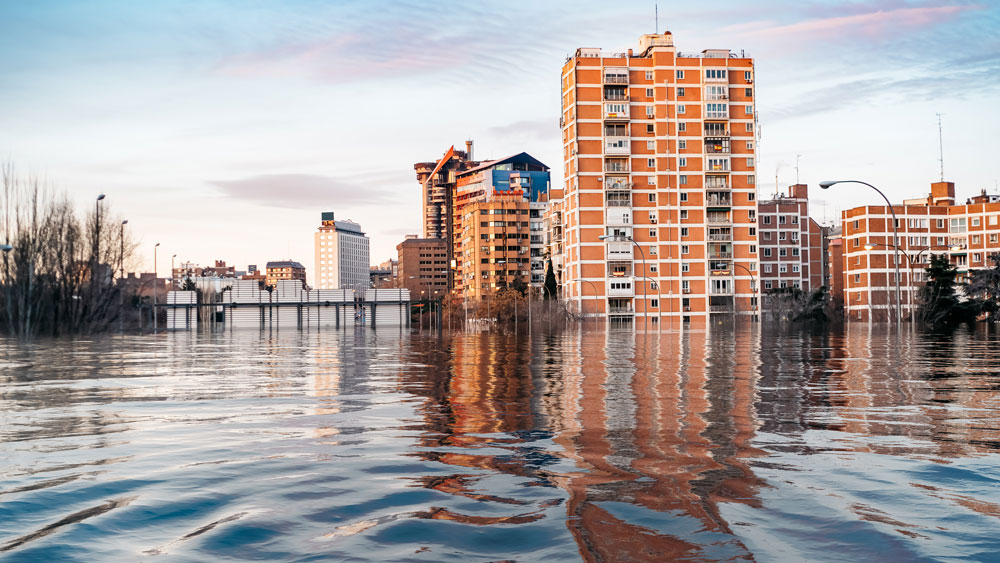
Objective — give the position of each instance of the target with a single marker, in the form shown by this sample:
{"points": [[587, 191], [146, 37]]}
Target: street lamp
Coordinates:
{"points": [[97, 239], [172, 271], [154, 287], [895, 234], [645, 313], [753, 287], [910, 263]]}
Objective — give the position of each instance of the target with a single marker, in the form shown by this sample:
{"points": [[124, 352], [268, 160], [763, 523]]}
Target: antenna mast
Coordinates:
{"points": [[940, 146], [657, 30], [797, 168]]}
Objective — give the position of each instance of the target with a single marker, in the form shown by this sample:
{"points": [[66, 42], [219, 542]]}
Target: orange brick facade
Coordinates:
{"points": [[659, 148]]}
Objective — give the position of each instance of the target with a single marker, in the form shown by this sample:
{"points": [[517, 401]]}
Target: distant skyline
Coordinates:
{"points": [[222, 129]]}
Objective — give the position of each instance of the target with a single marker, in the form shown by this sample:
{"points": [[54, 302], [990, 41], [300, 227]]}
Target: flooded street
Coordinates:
{"points": [[729, 444]]}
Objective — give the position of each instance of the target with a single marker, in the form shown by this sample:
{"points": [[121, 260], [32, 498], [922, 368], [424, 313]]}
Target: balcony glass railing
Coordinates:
{"points": [[717, 201], [616, 166], [616, 78], [617, 183], [617, 145]]}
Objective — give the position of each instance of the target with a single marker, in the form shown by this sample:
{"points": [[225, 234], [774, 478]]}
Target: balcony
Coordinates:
{"points": [[715, 254], [717, 145], [718, 200], [616, 77], [716, 130], [618, 216], [716, 111], [720, 308], [620, 287], [616, 165], [617, 145], [720, 289], [718, 218], [619, 269], [717, 164], [621, 183], [615, 94], [721, 235], [720, 272], [618, 199], [717, 183], [616, 111], [618, 310], [618, 250]]}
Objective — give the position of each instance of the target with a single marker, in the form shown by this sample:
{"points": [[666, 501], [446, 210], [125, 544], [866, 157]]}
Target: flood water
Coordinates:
{"points": [[729, 444]]}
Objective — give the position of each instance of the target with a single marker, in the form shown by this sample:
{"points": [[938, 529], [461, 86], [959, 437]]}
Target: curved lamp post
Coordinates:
{"points": [[753, 286], [895, 234], [592, 286], [645, 313], [910, 262]]}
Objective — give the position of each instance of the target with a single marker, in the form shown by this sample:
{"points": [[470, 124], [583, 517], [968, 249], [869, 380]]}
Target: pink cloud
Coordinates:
{"points": [[880, 23]]}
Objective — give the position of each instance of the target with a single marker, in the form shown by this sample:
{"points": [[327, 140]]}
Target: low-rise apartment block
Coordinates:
{"points": [[967, 233], [790, 242], [423, 266]]}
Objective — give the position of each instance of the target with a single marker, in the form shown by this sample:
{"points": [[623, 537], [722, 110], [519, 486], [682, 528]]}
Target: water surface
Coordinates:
{"points": [[729, 444]]}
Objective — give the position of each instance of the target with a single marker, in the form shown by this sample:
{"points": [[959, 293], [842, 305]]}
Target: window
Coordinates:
{"points": [[684, 214], [753, 250], [684, 231], [767, 253], [651, 162], [857, 278], [650, 112], [716, 110], [685, 267], [751, 196], [683, 180], [680, 75], [766, 219], [856, 223], [651, 180], [795, 252], [781, 235], [993, 238], [652, 233], [684, 196], [993, 219], [749, 145], [748, 92], [680, 92], [748, 110], [655, 303], [751, 179], [782, 269], [649, 92], [686, 286], [651, 197], [649, 75], [681, 108], [682, 144], [650, 145], [749, 127], [652, 217], [940, 224], [682, 162], [682, 126], [767, 235], [975, 239], [750, 162], [746, 75], [684, 249], [716, 73], [977, 257], [649, 128], [767, 268], [782, 252], [767, 284], [975, 221]]}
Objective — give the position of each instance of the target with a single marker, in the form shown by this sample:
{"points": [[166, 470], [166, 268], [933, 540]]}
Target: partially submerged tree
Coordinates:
{"points": [[983, 289], [940, 305], [549, 288]]}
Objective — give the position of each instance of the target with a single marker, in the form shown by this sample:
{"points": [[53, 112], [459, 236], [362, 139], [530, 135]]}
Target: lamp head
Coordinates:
{"points": [[956, 248], [603, 237], [125, 222], [6, 247], [155, 245], [827, 183], [869, 246], [100, 197]]}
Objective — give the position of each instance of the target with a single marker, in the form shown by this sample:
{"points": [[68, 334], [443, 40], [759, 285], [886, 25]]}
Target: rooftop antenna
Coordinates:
{"points": [[797, 168], [776, 168], [940, 146], [657, 8]]}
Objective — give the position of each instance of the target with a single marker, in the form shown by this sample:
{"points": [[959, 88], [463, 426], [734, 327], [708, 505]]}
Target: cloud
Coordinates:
{"points": [[303, 191], [874, 24], [546, 129]]}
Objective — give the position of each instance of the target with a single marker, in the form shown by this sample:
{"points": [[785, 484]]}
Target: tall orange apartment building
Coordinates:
{"points": [[658, 148], [967, 233]]}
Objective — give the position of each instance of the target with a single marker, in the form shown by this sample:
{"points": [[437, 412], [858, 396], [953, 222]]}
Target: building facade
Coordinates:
{"points": [[934, 225], [655, 216], [342, 255], [497, 239], [423, 266], [285, 270], [790, 243]]}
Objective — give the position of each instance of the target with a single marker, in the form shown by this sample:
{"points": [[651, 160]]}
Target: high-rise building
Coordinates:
{"points": [[437, 182], [790, 242], [342, 255], [656, 215], [498, 239], [968, 234]]}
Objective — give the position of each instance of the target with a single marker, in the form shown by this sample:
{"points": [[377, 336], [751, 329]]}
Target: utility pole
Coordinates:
{"points": [[941, 146]]}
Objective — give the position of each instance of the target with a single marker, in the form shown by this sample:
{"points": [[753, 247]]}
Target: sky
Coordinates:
{"points": [[223, 129]]}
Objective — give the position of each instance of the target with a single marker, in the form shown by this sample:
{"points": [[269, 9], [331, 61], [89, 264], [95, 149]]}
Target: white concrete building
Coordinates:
{"points": [[342, 256]]}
